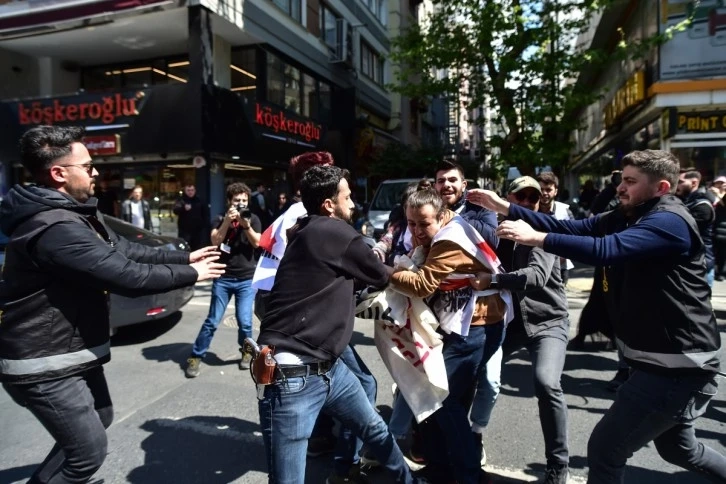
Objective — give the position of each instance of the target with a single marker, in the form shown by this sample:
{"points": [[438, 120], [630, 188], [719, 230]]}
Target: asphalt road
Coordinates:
{"points": [[169, 429]]}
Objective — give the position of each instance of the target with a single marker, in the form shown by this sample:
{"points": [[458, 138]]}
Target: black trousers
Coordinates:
{"points": [[76, 411]]}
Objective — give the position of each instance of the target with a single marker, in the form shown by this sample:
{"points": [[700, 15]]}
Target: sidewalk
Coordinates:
{"points": [[580, 284]]}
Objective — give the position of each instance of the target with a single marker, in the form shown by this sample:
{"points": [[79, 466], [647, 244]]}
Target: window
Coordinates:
{"points": [[310, 96], [377, 8], [291, 7], [293, 92], [371, 63], [136, 75], [243, 73], [329, 27], [325, 102], [275, 80]]}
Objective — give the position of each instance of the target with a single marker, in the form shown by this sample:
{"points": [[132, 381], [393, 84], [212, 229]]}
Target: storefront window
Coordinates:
{"points": [[243, 70], [292, 90], [709, 160], [162, 185], [310, 96], [136, 75], [275, 80]]}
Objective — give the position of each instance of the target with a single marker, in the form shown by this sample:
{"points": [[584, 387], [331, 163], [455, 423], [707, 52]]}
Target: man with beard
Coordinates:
{"points": [[451, 185], [549, 184], [703, 213], [325, 256], [664, 323], [60, 264]]}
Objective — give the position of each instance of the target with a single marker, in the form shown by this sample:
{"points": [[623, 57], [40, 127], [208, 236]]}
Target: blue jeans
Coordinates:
{"points": [[450, 446], [401, 417], [662, 409], [288, 412], [349, 446], [75, 410], [222, 291], [488, 382]]}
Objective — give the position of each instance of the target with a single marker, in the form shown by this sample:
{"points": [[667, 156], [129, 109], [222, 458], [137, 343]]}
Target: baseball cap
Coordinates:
{"points": [[526, 182], [720, 179]]}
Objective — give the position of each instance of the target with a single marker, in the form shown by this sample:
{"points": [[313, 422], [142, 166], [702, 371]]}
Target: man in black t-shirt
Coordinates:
{"points": [[237, 235]]}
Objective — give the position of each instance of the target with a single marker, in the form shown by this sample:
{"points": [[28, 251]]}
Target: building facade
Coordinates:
{"points": [[201, 92], [673, 98]]}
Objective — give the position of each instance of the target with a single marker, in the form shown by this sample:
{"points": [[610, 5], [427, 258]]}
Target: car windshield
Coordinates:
{"points": [[388, 196]]}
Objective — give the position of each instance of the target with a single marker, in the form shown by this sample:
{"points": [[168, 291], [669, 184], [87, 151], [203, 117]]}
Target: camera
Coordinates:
{"points": [[244, 212]]}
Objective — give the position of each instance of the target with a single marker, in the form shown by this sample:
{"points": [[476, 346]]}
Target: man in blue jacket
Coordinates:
{"points": [[654, 262], [60, 264]]}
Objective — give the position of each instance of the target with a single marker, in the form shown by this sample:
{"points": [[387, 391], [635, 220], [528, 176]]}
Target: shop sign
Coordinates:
{"points": [[628, 96], [102, 145], [83, 109], [679, 122], [275, 120]]}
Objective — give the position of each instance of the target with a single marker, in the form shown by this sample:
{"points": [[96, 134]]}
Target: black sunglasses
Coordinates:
{"points": [[88, 167], [533, 198]]}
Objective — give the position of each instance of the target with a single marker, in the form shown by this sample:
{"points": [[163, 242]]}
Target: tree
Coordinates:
{"points": [[518, 58]]}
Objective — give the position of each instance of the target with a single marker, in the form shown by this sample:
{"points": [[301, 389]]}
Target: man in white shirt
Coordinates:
{"points": [[135, 210]]}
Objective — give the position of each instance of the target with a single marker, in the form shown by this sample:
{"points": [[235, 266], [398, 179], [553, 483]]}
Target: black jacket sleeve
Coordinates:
{"points": [[363, 265], [148, 255], [77, 253]]}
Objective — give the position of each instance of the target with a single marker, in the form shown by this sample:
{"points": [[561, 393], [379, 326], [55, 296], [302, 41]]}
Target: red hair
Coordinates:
{"points": [[302, 163]]}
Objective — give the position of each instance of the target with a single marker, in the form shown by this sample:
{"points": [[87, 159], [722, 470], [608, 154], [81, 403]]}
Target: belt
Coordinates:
{"points": [[311, 369]]}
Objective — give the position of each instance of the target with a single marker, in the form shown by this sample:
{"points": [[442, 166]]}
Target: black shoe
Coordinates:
{"points": [[719, 277], [620, 377], [556, 475], [318, 446]]}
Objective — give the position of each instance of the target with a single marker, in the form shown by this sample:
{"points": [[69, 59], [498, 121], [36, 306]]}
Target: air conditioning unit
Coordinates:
{"points": [[342, 52]]}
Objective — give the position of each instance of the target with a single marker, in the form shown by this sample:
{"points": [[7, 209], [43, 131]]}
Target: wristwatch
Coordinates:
{"points": [[494, 284]]}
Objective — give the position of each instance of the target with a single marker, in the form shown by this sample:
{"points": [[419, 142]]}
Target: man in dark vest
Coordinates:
{"points": [[654, 260], [60, 264]]}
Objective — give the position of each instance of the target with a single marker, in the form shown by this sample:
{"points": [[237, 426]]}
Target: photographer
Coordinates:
{"points": [[237, 235]]}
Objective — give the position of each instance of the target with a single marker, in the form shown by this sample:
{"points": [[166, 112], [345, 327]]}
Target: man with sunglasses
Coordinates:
{"points": [[541, 325], [60, 264]]}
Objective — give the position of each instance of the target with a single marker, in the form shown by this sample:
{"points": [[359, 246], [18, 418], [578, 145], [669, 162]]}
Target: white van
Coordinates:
{"points": [[387, 196]]}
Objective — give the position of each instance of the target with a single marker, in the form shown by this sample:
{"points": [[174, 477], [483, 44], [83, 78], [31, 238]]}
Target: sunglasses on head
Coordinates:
{"points": [[533, 197]]}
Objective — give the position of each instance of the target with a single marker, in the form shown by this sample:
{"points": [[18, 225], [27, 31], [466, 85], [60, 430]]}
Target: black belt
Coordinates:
{"points": [[311, 369]]}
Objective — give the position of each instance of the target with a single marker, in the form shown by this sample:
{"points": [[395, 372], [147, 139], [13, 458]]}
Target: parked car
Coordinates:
{"points": [[388, 195], [126, 311]]}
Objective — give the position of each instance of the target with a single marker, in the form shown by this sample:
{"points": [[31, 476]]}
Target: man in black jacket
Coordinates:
{"points": [[192, 217], [310, 323], [701, 208], [60, 264]]}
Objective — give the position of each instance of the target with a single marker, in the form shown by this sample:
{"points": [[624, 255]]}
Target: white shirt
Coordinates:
{"points": [[137, 214]]}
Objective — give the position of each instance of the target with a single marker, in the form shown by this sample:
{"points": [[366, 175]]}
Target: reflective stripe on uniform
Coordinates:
{"points": [[31, 366], [670, 360]]}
